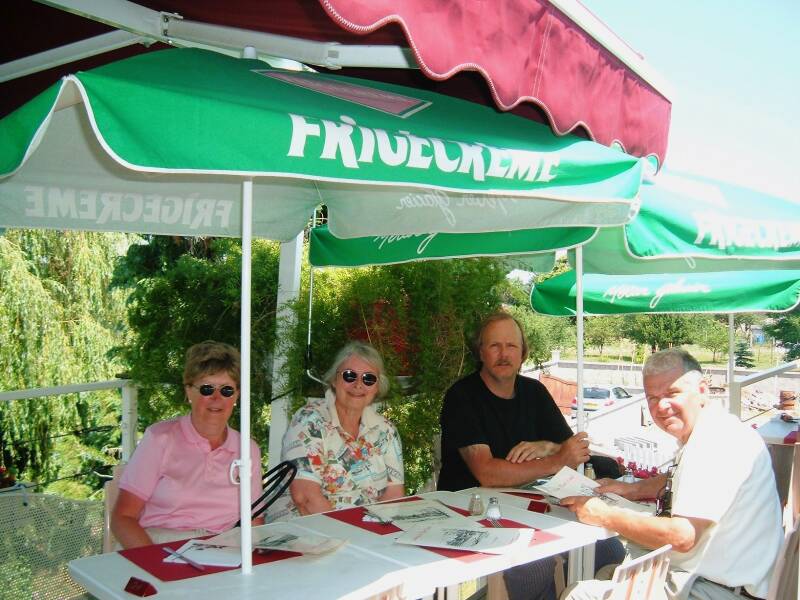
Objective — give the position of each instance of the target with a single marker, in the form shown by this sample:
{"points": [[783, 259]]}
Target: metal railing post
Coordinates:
{"points": [[130, 396]]}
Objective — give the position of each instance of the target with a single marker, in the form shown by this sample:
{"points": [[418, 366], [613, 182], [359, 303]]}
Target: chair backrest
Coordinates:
{"points": [[561, 390], [784, 584], [110, 493], [276, 482], [642, 578]]}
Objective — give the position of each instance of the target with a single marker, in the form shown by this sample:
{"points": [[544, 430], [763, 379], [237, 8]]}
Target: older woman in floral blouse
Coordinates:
{"points": [[346, 453]]}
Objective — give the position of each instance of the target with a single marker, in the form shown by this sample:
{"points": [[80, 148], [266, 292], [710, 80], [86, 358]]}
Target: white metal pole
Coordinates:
{"points": [[129, 405], [579, 557], [244, 398], [731, 364], [579, 317], [288, 290]]}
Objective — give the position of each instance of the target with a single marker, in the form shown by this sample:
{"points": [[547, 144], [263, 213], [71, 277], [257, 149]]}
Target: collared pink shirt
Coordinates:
{"points": [[183, 482]]}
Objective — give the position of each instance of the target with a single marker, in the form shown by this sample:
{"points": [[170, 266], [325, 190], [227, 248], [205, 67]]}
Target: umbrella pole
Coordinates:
{"points": [[579, 315], [731, 360], [580, 556], [244, 386]]}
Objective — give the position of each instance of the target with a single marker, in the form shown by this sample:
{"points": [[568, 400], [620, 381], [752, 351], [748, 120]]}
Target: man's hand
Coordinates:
{"points": [[588, 509], [575, 450], [531, 450], [613, 486]]}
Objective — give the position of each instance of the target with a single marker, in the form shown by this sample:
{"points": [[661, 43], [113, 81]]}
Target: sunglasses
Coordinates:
{"points": [[207, 389], [367, 378]]}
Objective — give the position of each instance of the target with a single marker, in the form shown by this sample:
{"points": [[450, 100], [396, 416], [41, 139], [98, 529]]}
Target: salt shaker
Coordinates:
{"points": [[629, 477], [493, 510], [588, 471], [476, 505]]}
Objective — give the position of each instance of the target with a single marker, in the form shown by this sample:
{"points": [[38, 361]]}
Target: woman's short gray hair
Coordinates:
{"points": [[366, 353], [667, 360]]}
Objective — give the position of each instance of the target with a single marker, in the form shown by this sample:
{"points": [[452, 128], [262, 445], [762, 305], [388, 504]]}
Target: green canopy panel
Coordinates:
{"points": [[161, 142], [692, 223], [530, 250], [722, 292]]}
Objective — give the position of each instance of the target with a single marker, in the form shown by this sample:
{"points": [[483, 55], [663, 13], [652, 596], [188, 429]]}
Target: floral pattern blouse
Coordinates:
{"points": [[351, 471]]}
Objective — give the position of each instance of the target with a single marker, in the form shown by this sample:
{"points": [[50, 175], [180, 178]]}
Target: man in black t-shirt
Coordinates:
{"points": [[501, 429]]}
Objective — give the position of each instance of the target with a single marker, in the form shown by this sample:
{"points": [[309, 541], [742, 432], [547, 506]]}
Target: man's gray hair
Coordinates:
{"points": [[667, 360], [366, 353]]}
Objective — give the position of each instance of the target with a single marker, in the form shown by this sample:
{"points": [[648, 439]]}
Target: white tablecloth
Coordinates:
{"points": [[368, 565]]}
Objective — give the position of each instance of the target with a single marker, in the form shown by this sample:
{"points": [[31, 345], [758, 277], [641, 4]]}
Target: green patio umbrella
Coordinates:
{"points": [[721, 292], [189, 142], [691, 223], [531, 250], [159, 143]]}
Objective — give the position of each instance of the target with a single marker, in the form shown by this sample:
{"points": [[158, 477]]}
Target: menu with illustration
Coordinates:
{"points": [[568, 482]]}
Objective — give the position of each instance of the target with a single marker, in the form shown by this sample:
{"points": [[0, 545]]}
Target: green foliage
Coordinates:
{"points": [[600, 331], [711, 334], [544, 333], [58, 321], [786, 330], [185, 291], [420, 316], [660, 331], [744, 356]]}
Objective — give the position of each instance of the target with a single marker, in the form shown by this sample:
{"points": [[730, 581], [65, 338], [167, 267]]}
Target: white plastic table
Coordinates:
{"points": [[581, 560], [370, 564], [778, 432]]}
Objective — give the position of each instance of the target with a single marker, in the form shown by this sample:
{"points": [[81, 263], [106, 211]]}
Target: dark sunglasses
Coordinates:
{"points": [[367, 378], [207, 389]]}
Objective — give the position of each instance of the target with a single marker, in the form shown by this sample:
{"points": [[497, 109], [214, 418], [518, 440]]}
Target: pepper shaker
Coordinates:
{"points": [[476, 505]]}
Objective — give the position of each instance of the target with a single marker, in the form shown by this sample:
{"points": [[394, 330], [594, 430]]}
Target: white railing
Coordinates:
{"points": [[130, 396], [735, 389]]}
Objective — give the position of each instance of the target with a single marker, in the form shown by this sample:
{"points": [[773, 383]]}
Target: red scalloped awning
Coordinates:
{"points": [[533, 59], [527, 52]]}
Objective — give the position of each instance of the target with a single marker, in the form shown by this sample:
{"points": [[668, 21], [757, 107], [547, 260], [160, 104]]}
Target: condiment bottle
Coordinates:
{"points": [[476, 505], [493, 510], [588, 471]]}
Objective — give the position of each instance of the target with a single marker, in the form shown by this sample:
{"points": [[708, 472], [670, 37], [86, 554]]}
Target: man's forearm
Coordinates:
{"points": [[651, 532], [498, 472]]}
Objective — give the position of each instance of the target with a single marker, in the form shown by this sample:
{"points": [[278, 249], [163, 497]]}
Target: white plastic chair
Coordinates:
{"points": [[784, 584], [110, 492], [642, 578]]}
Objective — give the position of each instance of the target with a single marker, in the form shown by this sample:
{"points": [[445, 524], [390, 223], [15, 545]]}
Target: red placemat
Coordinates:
{"points": [[151, 559], [791, 438], [355, 516]]}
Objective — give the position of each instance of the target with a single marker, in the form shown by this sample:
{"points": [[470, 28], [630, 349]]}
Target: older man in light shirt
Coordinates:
{"points": [[724, 522]]}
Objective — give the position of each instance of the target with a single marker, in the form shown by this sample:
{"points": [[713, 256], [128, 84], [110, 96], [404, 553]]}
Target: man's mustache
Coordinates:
{"points": [[502, 362]]}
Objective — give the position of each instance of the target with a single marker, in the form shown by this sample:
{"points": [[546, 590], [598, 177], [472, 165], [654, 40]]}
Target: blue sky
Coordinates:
{"points": [[734, 70]]}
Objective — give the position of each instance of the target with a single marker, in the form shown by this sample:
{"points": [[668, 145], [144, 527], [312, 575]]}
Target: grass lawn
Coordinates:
{"points": [[765, 355]]}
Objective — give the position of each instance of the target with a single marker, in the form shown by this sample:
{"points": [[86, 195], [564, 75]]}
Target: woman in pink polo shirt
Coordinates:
{"points": [[176, 485]]}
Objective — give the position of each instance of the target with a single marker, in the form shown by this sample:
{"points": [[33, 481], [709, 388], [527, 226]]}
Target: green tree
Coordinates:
{"points": [[601, 331], [786, 330], [58, 321], [744, 355], [184, 291], [712, 335], [659, 331], [420, 316]]}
